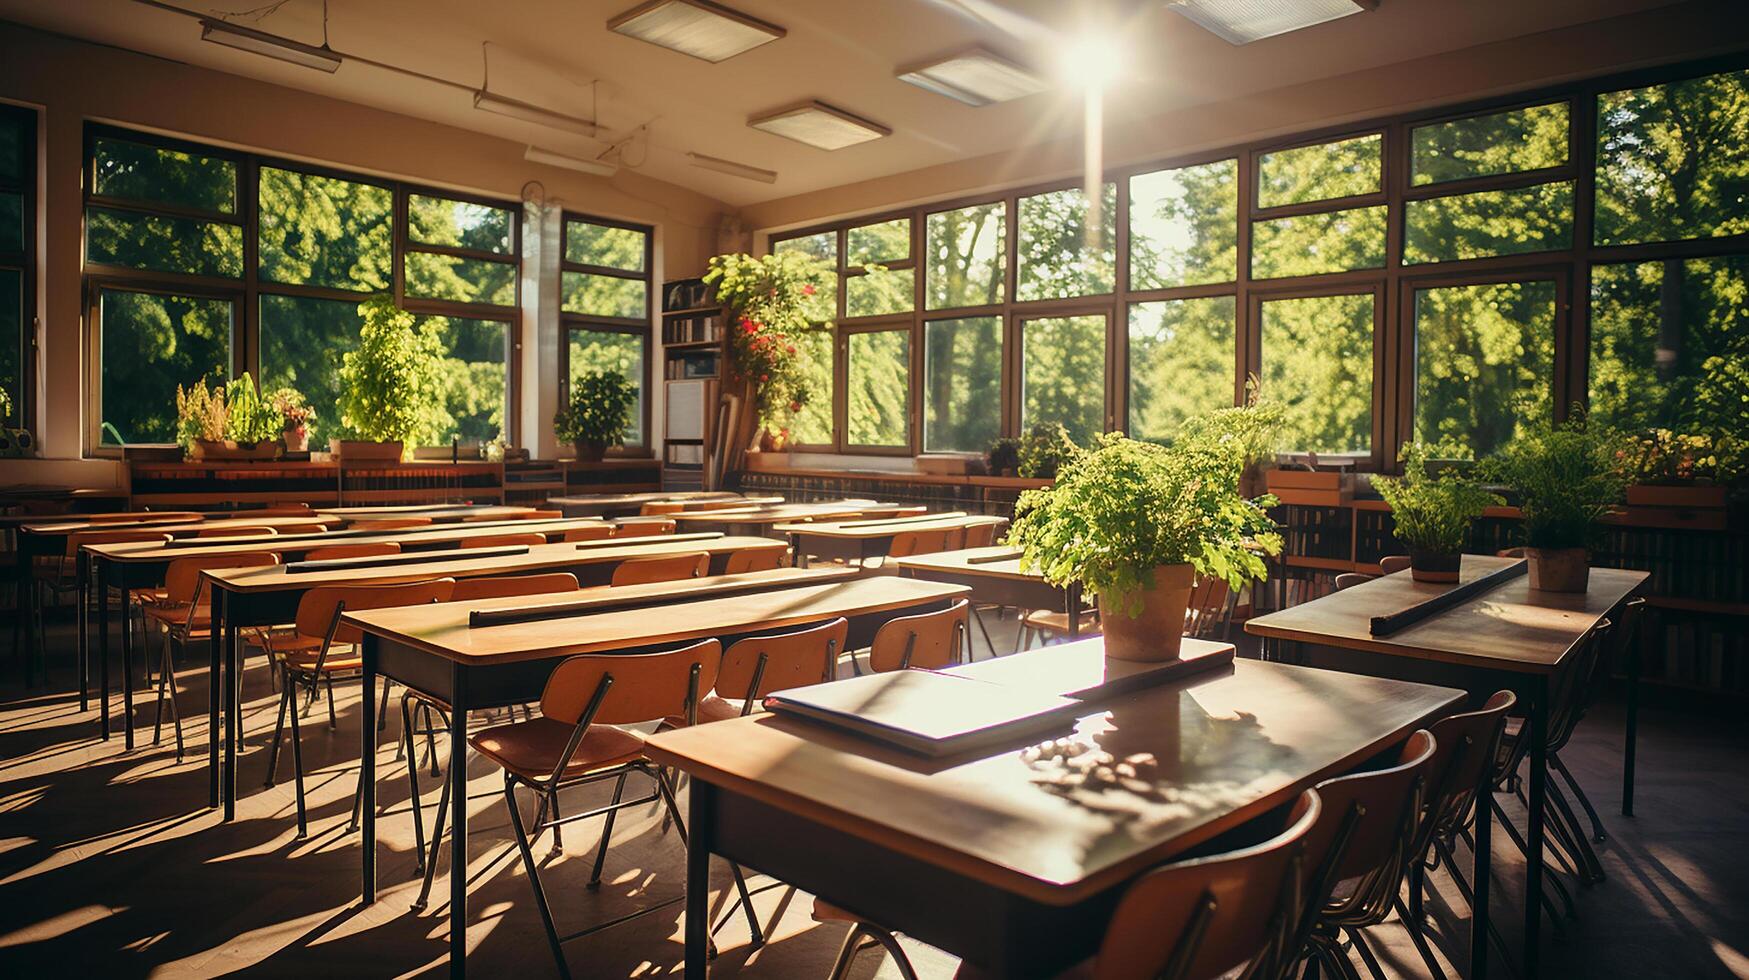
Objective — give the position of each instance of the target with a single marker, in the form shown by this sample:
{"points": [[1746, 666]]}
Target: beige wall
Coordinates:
{"points": [[73, 82]]}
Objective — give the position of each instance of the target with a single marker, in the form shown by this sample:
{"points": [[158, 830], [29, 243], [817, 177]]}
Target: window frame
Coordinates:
{"points": [[23, 262], [642, 328]]}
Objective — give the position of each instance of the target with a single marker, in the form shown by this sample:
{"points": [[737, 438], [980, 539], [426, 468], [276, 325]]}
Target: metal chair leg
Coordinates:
{"points": [[287, 695], [619, 788], [1418, 936], [406, 743], [298, 775], [1597, 833], [528, 865]]}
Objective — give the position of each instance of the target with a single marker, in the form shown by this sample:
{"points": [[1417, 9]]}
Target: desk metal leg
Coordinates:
{"points": [[700, 822], [1479, 896], [367, 771], [1630, 750], [82, 566], [1537, 732], [215, 684], [1072, 604], [103, 648], [458, 823], [127, 667]]}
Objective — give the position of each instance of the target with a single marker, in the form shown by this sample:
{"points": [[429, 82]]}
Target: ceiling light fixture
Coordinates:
{"points": [[516, 109], [704, 30], [819, 125], [1244, 21], [732, 168], [271, 45], [599, 168], [976, 77]]}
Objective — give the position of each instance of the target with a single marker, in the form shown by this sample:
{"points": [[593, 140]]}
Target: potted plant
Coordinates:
{"points": [[1003, 457], [1250, 429], [1044, 449], [1433, 514], [295, 418], [200, 419], [391, 387], [252, 424], [1566, 478], [601, 404], [774, 301], [1135, 524]]}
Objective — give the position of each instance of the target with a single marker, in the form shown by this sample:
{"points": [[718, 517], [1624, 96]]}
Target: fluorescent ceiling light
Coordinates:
{"points": [[696, 27], [976, 77], [1244, 21], [732, 168], [600, 168], [532, 113], [819, 125], [272, 45]]}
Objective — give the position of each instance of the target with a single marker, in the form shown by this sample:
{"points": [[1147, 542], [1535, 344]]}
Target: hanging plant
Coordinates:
{"points": [[774, 301]]}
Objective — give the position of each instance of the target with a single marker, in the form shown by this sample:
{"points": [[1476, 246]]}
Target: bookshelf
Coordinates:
{"points": [[693, 350]]}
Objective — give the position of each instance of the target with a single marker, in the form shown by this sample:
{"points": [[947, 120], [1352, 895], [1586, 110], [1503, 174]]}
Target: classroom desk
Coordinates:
{"points": [[1512, 637], [267, 596], [869, 537], [432, 649], [984, 854], [761, 520], [629, 504], [994, 575], [438, 513]]}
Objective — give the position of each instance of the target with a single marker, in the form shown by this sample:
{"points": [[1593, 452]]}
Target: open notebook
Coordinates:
{"points": [[928, 713]]}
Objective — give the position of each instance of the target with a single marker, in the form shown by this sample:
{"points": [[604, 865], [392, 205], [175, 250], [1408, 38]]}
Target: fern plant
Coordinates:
{"points": [[1044, 449], [1433, 513], [1566, 476], [391, 386]]}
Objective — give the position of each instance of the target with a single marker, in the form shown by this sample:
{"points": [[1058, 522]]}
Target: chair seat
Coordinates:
{"points": [[825, 911], [1053, 621], [340, 659], [176, 614], [151, 597], [531, 749]]}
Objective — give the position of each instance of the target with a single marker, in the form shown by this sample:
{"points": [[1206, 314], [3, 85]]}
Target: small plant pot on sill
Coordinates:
{"points": [[1156, 632], [221, 449], [296, 440], [590, 452], [1559, 569], [1435, 566], [364, 451]]}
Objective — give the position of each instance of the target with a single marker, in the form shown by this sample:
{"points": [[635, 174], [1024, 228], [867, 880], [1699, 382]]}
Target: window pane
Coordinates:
{"points": [[147, 241], [879, 375], [889, 241], [151, 344], [1671, 161], [14, 130], [1313, 244], [812, 426], [1317, 362], [1063, 374], [1484, 364], [1184, 226], [962, 384], [463, 224], [319, 231], [1664, 338], [302, 343], [475, 375], [1182, 361], [604, 245], [1060, 257], [451, 277], [967, 253], [878, 293], [604, 295], [594, 351], [12, 342], [11, 222], [1470, 226], [1320, 172], [150, 174], [824, 246], [1498, 143]]}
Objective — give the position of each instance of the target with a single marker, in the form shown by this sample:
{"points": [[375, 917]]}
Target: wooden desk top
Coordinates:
{"points": [[632, 499], [182, 526], [600, 598], [1211, 752], [442, 630], [787, 512], [961, 563], [1080, 669], [72, 523], [437, 512], [1512, 627], [546, 557], [149, 551], [865, 529]]}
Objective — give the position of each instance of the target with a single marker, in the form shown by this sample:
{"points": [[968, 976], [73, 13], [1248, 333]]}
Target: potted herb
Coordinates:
{"points": [[1135, 524], [1433, 514], [1003, 457], [774, 302], [391, 387], [601, 404], [1566, 478], [295, 418], [200, 419], [1250, 429], [1044, 449], [252, 424]]}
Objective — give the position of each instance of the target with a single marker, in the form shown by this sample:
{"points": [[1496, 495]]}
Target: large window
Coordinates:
{"points": [[1318, 363], [1063, 374], [1484, 357], [17, 251], [878, 388], [962, 384], [1670, 341], [605, 296], [205, 263], [1181, 363]]}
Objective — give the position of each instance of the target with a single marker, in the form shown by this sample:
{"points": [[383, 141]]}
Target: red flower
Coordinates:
{"points": [[795, 406], [807, 289], [765, 377], [749, 326], [792, 348]]}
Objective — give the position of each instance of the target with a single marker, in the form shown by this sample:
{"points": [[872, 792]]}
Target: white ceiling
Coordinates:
{"points": [[559, 54]]}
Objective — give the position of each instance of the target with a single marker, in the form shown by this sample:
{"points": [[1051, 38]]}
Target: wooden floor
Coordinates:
{"points": [[110, 864]]}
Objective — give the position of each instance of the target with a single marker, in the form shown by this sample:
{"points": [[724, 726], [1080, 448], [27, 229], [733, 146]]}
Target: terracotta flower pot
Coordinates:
{"points": [[1156, 632], [1559, 569], [296, 440], [1434, 566], [366, 451], [590, 452]]}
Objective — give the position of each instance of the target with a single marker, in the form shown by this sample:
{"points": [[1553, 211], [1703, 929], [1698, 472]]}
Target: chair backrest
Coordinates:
{"points": [[1464, 748], [182, 576], [591, 532], [1207, 610], [1200, 918], [755, 560], [542, 515], [367, 549], [469, 589], [316, 610], [1392, 564], [761, 665], [1577, 684], [302, 528], [981, 535], [663, 568], [643, 529], [530, 538], [929, 640], [80, 539], [660, 508], [391, 524], [1348, 580], [235, 532], [645, 686], [907, 543], [1367, 826]]}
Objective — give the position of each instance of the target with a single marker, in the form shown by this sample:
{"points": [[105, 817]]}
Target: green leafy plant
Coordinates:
{"points": [[1566, 477], [775, 300], [5, 405], [250, 418], [200, 414], [1003, 455], [293, 410], [1249, 429], [1044, 449], [600, 408], [1433, 513], [1126, 508], [391, 386]]}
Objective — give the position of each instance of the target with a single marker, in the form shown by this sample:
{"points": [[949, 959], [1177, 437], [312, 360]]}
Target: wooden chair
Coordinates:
{"points": [[542, 515], [57, 576], [1392, 564], [391, 524], [643, 529], [472, 589], [1035, 623], [660, 508], [928, 641], [908, 543], [981, 535], [367, 549], [1209, 609], [303, 528], [664, 568], [594, 532], [529, 539], [1348, 580], [236, 532], [306, 656], [576, 741], [758, 666], [755, 560], [184, 617]]}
